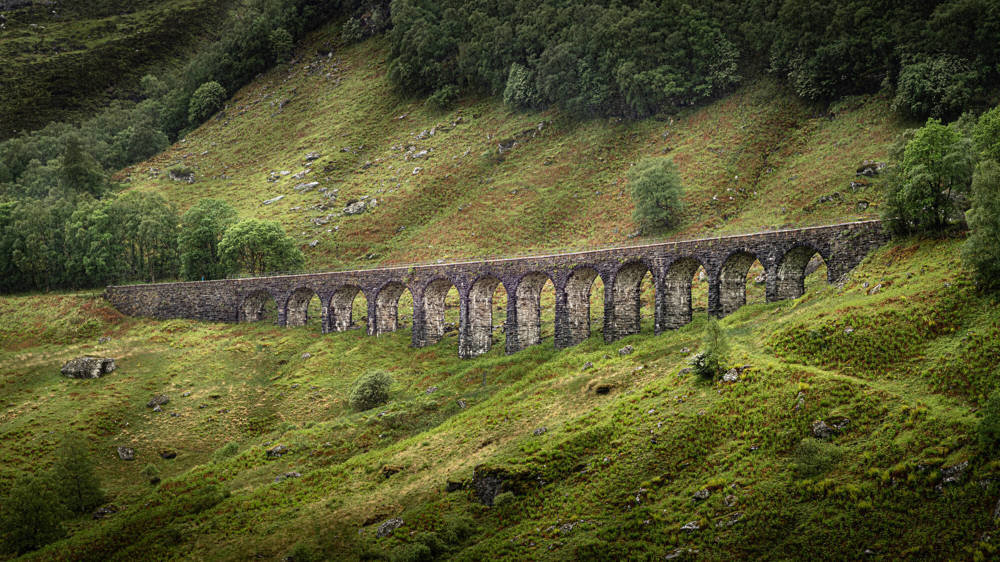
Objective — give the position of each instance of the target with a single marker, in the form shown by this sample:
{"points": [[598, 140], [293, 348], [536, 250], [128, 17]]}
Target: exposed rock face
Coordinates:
{"points": [[126, 453], [388, 526], [88, 367], [158, 400]]}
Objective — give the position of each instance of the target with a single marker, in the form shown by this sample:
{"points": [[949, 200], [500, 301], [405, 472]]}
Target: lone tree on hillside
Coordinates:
{"points": [[258, 247], [937, 167], [202, 228], [73, 475], [656, 191]]}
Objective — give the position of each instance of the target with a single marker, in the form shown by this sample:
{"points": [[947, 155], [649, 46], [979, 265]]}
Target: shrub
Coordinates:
{"points": [[152, 87], [981, 250], [205, 101], [504, 498], [988, 429], [228, 450], [813, 457], [370, 390], [73, 475], [709, 363], [444, 97], [30, 516], [656, 191], [281, 44], [520, 91]]}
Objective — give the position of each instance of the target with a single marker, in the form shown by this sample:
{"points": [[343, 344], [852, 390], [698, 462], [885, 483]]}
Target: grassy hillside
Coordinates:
{"points": [[601, 461], [756, 159], [602, 475], [47, 47]]}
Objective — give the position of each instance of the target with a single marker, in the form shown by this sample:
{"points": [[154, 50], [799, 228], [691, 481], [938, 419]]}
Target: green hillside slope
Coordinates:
{"points": [[47, 47], [576, 454], [756, 159]]}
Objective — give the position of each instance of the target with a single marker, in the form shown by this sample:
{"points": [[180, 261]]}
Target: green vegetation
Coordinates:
{"points": [[205, 101], [370, 389], [73, 475], [988, 429], [935, 172], [202, 228], [981, 252], [656, 191], [31, 516], [259, 247], [710, 362]]}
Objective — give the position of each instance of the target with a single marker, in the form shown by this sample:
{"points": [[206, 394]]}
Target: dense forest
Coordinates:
{"points": [[631, 59]]}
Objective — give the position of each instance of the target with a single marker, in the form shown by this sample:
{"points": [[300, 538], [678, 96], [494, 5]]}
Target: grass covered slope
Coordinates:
{"points": [[47, 47], [443, 188], [600, 462]]}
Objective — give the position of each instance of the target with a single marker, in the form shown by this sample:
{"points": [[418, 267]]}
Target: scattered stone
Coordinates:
{"points": [[158, 400], [274, 200], [732, 375], [175, 176], [875, 290], [729, 501], [388, 526], [954, 474], [186, 393], [587, 365], [314, 243], [277, 451], [126, 453], [431, 390], [691, 527], [848, 331], [286, 476], [540, 431], [104, 339], [822, 431], [685, 350], [88, 367], [729, 520], [862, 205], [167, 455], [870, 168], [701, 494], [417, 170], [461, 404], [312, 156], [306, 355], [105, 511], [627, 350], [389, 469], [157, 408], [306, 186], [800, 400]]}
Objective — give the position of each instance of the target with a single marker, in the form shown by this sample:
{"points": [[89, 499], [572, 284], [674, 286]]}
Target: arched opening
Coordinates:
{"points": [[303, 308], [796, 265], [481, 326], [529, 308], [682, 285], [387, 307], [733, 282], [628, 299], [260, 306], [441, 310], [756, 283], [584, 303], [347, 311]]}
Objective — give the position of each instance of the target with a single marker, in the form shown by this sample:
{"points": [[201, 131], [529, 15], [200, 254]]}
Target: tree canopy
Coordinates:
{"points": [[256, 246]]}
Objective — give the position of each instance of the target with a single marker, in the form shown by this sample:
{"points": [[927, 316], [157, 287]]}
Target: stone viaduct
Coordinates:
{"points": [[784, 255]]}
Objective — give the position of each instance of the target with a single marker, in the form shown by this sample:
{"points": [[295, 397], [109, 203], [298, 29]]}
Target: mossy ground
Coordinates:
{"points": [[613, 475]]}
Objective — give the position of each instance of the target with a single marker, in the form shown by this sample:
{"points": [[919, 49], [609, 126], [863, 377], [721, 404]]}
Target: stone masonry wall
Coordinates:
{"points": [[783, 254]]}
